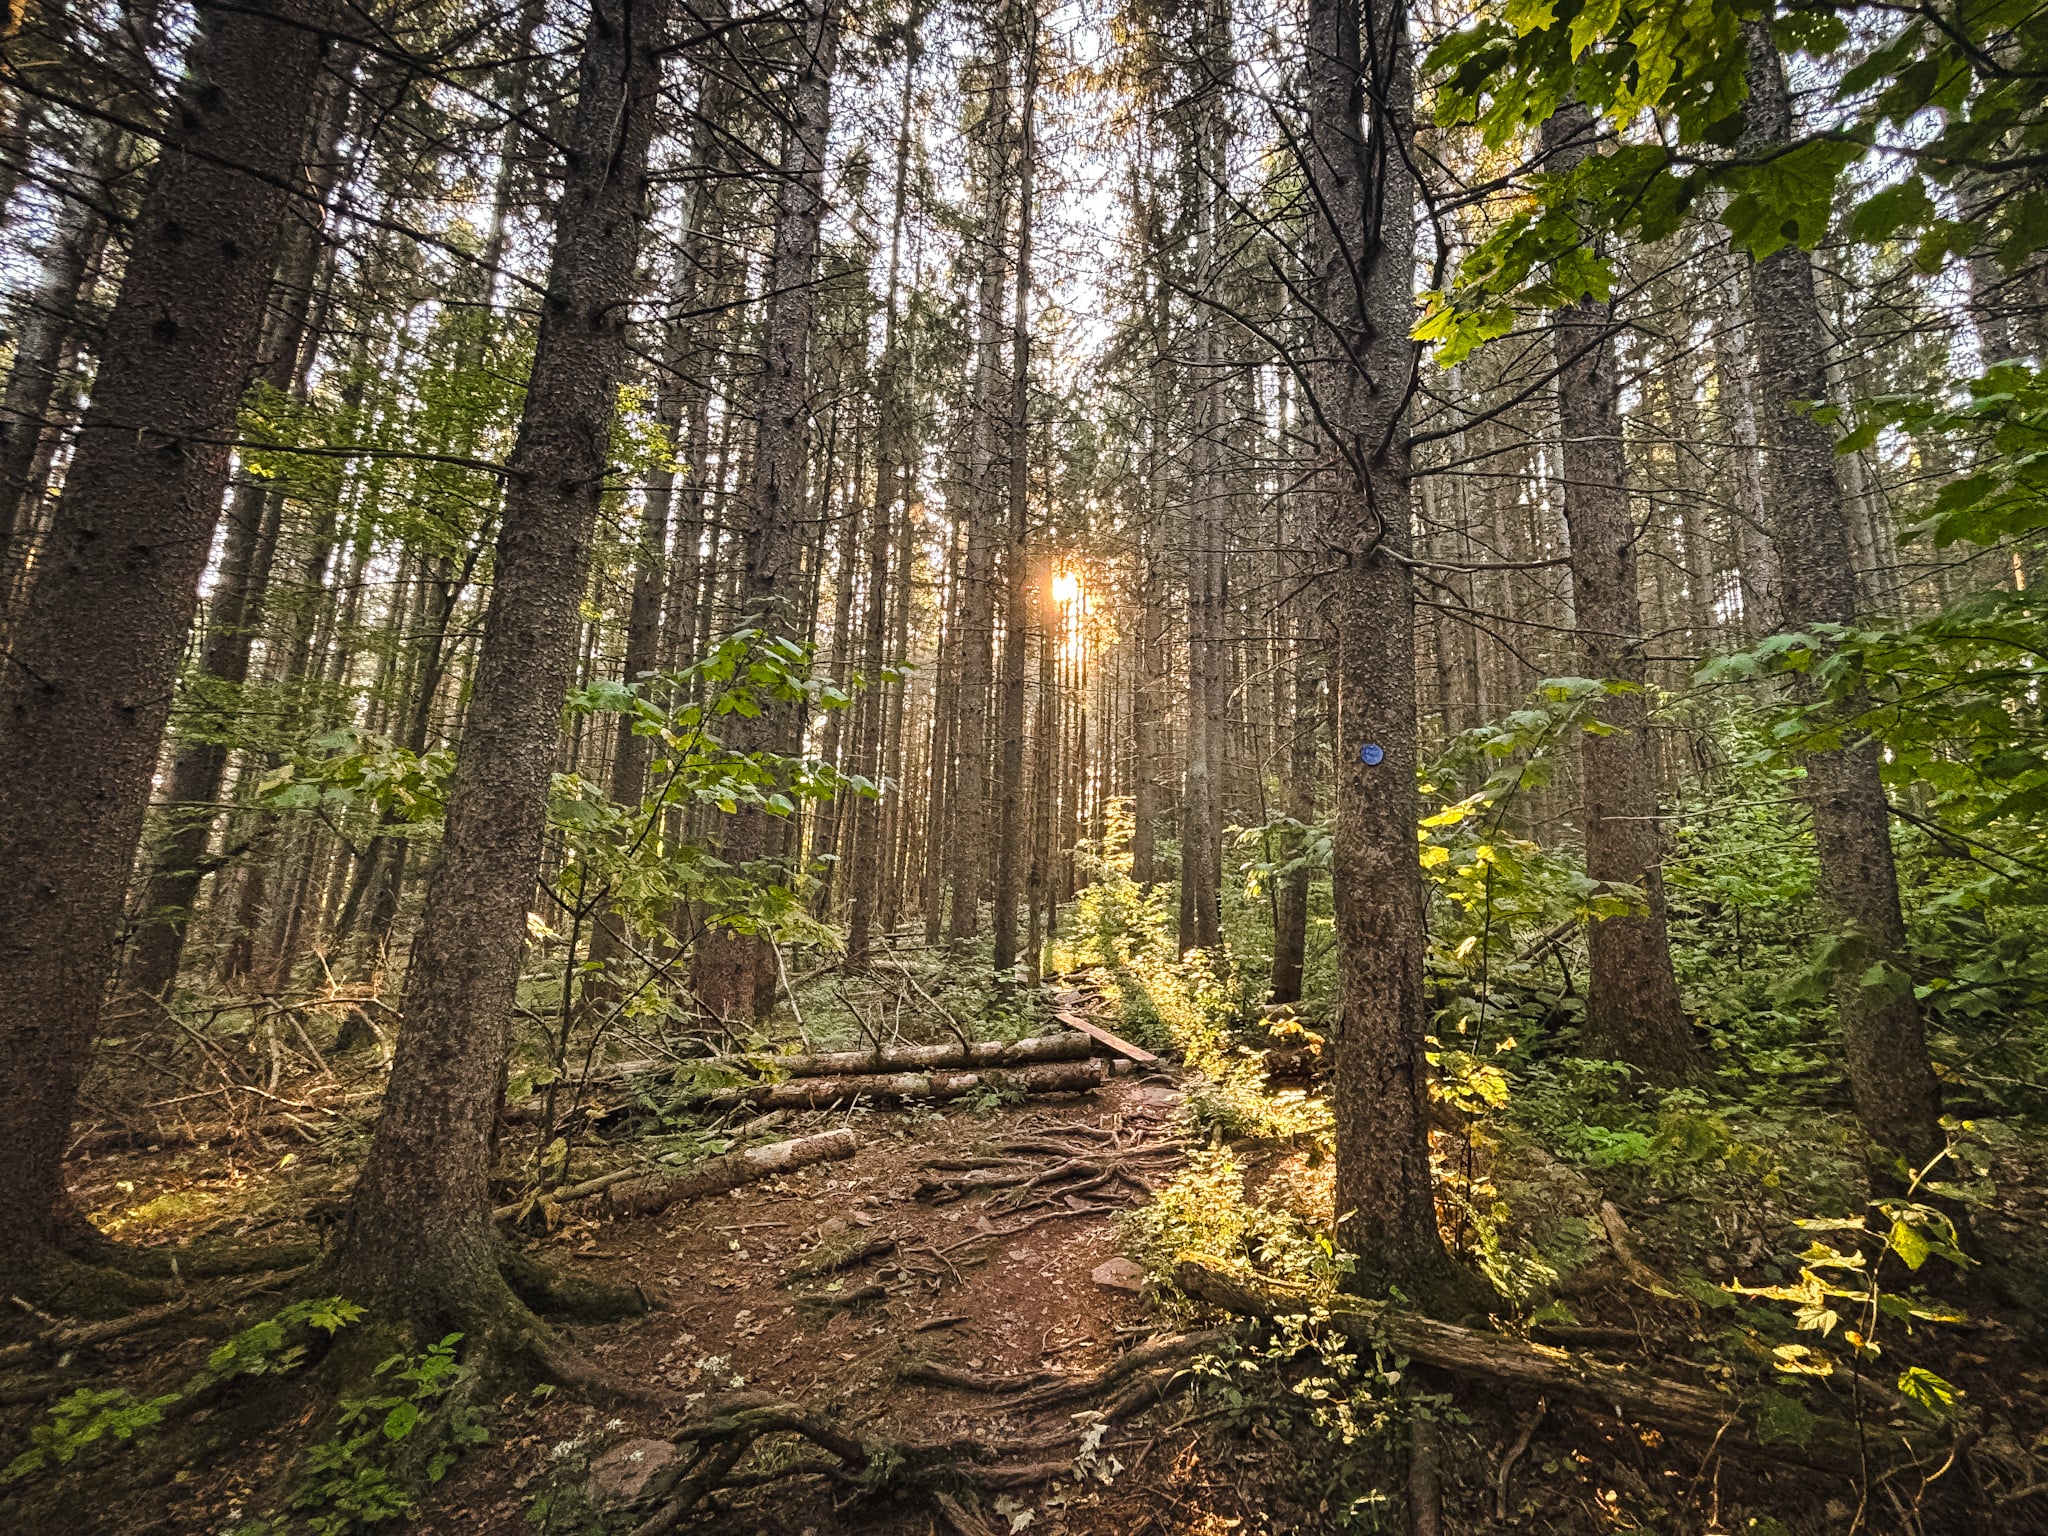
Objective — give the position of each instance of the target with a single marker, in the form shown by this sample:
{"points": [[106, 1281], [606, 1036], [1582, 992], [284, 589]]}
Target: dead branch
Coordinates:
{"points": [[843, 1252], [1675, 1406], [645, 1197]]}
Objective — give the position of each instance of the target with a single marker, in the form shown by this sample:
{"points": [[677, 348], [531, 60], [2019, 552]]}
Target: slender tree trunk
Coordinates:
{"points": [[1897, 1098], [1290, 922], [1365, 262], [199, 766], [1633, 1011], [1733, 357], [419, 1241], [975, 607], [1012, 823], [47, 316], [84, 702], [871, 821], [772, 587]]}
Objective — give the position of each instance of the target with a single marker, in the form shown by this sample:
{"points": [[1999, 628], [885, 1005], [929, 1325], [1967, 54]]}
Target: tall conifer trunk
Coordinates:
{"points": [[87, 689], [1011, 819], [871, 822], [1897, 1098], [1365, 260], [199, 766], [419, 1242], [1633, 1011], [731, 981], [975, 608]]}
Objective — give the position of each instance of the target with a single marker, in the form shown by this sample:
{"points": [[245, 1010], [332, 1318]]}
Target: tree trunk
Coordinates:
{"points": [[418, 1239], [894, 445], [48, 314], [95, 657], [1633, 1011], [975, 609], [728, 971], [199, 766], [1290, 920], [1897, 1098], [1012, 821], [1733, 359], [1365, 259]]}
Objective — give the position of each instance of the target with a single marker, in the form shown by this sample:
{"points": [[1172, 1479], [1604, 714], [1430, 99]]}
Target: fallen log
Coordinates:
{"points": [[818, 1092], [923, 1058], [1832, 1445], [645, 1197]]}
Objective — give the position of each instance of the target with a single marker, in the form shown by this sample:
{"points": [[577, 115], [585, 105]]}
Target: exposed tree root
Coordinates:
{"points": [[48, 1281], [728, 1428], [552, 1292], [75, 1336]]}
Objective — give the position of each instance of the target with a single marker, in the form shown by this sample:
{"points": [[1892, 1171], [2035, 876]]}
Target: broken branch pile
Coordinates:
{"points": [[1022, 1178]]}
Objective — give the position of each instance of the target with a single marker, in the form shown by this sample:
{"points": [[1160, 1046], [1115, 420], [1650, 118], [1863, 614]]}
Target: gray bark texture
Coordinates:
{"points": [[87, 686], [1897, 1098], [213, 697], [418, 1239], [1633, 1011], [1011, 812], [1365, 251], [731, 983]]}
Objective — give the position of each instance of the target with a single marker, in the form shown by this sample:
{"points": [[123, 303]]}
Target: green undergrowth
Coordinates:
{"points": [[389, 1435]]}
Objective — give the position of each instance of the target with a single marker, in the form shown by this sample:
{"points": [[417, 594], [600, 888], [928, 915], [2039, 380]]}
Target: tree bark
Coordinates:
{"points": [[199, 766], [84, 701], [1011, 819], [1290, 920], [1897, 1098], [1364, 255], [870, 821], [418, 1239], [1633, 1011], [729, 977], [975, 608], [48, 314]]}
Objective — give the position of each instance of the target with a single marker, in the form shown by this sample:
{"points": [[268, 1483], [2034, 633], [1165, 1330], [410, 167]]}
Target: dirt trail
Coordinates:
{"points": [[989, 1293]]}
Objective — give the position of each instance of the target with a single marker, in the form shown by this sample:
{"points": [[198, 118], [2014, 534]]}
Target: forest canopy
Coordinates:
{"points": [[1368, 673]]}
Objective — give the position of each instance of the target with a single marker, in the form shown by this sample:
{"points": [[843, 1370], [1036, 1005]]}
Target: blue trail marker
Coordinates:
{"points": [[1370, 753]]}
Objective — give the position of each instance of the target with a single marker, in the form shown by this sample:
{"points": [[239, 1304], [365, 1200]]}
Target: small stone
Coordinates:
{"points": [[1119, 1275], [618, 1476], [1156, 1095]]}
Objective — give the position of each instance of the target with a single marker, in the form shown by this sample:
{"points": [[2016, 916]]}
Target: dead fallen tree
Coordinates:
{"points": [[970, 1054], [819, 1092], [657, 1192], [1833, 1445]]}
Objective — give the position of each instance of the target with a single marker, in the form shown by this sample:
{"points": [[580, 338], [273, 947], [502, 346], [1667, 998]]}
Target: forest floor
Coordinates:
{"points": [[1003, 1285]]}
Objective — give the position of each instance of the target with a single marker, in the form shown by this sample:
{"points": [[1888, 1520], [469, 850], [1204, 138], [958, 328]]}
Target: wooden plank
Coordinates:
{"points": [[1116, 1043]]}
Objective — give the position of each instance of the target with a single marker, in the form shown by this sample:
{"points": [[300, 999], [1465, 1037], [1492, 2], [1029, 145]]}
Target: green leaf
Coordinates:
{"points": [[1928, 1390], [1594, 21]]}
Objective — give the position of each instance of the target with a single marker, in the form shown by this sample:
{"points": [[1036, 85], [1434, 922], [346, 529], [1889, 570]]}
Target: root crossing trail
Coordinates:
{"points": [[954, 1288]]}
